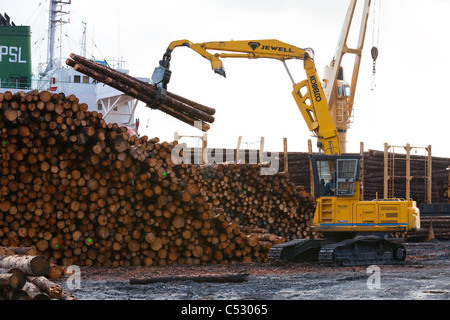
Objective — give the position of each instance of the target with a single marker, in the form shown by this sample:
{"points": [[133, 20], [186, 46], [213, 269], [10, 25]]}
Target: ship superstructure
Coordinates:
{"points": [[53, 75]]}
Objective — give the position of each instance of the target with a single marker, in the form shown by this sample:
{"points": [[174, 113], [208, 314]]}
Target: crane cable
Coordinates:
{"points": [[375, 38]]}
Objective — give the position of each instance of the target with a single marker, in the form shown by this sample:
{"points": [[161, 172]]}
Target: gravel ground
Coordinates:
{"points": [[423, 276]]}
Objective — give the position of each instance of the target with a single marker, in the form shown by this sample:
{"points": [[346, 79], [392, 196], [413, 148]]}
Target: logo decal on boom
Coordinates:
{"points": [[316, 90], [254, 45]]}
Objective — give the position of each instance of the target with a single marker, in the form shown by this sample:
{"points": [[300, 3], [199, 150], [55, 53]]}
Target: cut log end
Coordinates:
{"points": [[40, 266]]}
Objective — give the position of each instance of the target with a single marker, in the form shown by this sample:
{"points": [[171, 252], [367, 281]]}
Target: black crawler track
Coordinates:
{"points": [[357, 251]]}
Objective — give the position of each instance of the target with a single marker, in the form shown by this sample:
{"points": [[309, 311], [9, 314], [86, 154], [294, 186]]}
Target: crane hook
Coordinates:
{"points": [[374, 52]]}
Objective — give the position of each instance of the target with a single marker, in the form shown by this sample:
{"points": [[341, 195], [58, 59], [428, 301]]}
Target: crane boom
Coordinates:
{"points": [[312, 104], [341, 103]]}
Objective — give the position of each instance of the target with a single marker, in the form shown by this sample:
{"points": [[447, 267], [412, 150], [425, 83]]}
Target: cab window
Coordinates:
{"points": [[344, 91], [346, 176]]}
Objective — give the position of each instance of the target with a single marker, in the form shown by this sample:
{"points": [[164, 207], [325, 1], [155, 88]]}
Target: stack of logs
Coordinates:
{"points": [[374, 176], [298, 168], [439, 225], [256, 200], [183, 109], [23, 276], [84, 192]]}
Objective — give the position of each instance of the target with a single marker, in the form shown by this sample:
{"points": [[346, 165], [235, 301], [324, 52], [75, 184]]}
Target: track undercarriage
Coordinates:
{"points": [[355, 251]]}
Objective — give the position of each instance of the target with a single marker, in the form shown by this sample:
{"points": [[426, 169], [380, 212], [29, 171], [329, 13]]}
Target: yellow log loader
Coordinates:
{"points": [[355, 231]]}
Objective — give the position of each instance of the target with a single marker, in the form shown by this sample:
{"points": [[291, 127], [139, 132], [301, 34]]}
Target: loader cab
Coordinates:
{"points": [[342, 86], [335, 176]]}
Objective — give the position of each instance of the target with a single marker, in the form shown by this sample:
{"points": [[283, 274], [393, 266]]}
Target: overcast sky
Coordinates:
{"points": [[408, 105]]}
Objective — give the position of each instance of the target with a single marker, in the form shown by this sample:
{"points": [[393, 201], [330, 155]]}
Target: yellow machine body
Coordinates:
{"points": [[352, 215], [338, 204]]}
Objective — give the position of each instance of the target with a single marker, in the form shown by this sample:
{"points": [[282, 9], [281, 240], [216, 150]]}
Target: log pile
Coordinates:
{"points": [[84, 192], [298, 163], [270, 202], [174, 105], [440, 225], [298, 168], [374, 176], [24, 277]]}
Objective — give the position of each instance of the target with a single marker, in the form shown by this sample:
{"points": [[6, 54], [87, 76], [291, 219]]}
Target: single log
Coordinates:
{"points": [[55, 272], [11, 294], [252, 239], [10, 113], [31, 251], [46, 286], [30, 265], [13, 280], [241, 277], [197, 105], [34, 293], [156, 244], [45, 96]]}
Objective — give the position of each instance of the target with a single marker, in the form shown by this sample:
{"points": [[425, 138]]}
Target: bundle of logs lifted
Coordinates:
{"points": [[85, 192], [183, 109]]}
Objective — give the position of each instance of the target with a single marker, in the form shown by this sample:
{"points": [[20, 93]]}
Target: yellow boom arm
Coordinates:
{"points": [[312, 104]]}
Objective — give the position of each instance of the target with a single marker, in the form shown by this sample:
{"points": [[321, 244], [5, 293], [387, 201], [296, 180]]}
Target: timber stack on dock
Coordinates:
{"points": [[374, 176], [252, 199], [84, 192]]}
